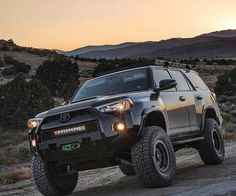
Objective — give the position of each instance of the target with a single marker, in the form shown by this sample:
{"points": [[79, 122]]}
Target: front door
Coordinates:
{"points": [[177, 111], [175, 103]]}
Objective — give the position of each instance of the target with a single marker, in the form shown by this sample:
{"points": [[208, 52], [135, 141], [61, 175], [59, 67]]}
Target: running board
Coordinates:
{"points": [[187, 140]]}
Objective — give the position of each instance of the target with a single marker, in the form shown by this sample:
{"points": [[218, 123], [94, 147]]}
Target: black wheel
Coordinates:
{"points": [[128, 170], [212, 149], [153, 158], [49, 183]]}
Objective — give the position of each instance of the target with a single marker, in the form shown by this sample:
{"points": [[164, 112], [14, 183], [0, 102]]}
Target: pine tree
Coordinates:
{"points": [[21, 100], [56, 75]]}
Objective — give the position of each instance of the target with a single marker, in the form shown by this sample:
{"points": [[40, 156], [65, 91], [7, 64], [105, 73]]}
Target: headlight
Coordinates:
{"points": [[118, 106], [33, 123]]}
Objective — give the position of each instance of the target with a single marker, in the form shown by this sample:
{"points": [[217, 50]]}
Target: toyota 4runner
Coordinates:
{"points": [[135, 118]]}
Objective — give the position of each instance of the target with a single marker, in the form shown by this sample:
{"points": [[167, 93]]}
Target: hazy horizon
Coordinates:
{"points": [[70, 24]]}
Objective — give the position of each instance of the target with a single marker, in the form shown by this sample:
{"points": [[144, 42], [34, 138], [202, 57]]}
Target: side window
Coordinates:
{"points": [[182, 84], [160, 74], [196, 81]]}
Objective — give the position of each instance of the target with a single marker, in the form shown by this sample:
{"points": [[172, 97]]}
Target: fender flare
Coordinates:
{"points": [[205, 108], [146, 112]]}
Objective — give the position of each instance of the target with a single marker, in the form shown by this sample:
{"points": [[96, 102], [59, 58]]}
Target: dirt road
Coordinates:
{"points": [[192, 178]]}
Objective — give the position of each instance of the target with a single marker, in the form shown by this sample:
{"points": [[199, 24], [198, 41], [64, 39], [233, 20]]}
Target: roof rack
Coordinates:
{"points": [[166, 64], [122, 69], [163, 63]]}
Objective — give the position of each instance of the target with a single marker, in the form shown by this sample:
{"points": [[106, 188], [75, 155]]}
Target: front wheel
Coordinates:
{"points": [[153, 158], [212, 149], [50, 183]]}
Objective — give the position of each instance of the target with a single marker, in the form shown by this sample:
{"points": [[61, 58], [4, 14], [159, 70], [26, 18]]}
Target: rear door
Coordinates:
{"points": [[201, 95], [175, 105], [185, 99]]}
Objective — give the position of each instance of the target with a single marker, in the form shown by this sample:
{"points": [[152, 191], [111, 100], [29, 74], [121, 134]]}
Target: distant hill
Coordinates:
{"points": [[220, 44], [86, 49], [30, 56], [224, 33]]}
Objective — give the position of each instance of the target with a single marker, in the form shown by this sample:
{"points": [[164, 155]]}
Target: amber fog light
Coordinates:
{"points": [[33, 143], [119, 127]]}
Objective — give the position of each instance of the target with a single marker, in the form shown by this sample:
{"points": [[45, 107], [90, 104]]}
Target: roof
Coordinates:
{"points": [[135, 67]]}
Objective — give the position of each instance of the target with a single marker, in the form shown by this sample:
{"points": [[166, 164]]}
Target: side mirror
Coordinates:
{"points": [[166, 84]]}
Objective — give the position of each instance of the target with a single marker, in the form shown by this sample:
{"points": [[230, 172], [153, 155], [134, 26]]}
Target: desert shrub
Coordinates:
{"points": [[108, 65], [24, 150], [8, 60], [10, 71], [15, 176], [18, 67], [226, 84], [190, 61], [1, 63], [21, 100], [39, 52], [103, 68], [12, 137], [6, 45], [3, 159], [4, 48], [224, 61], [70, 87], [226, 116], [59, 75], [9, 155], [17, 49], [22, 67]]}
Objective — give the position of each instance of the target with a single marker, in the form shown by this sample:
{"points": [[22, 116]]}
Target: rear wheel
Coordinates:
{"points": [[128, 170], [153, 158], [50, 183], [212, 149]]}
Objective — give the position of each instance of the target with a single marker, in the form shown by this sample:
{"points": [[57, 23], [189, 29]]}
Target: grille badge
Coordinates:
{"points": [[65, 117]]}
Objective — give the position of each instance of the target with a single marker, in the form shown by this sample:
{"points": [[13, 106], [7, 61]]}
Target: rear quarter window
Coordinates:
{"points": [[197, 82], [182, 84]]}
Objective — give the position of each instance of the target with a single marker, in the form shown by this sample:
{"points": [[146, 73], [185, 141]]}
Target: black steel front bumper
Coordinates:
{"points": [[95, 145]]}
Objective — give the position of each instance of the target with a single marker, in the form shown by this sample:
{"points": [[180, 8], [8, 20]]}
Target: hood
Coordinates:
{"points": [[41, 115], [93, 102]]}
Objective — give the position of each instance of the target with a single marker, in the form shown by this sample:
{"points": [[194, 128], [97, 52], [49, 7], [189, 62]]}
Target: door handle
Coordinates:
{"points": [[199, 97], [182, 98]]}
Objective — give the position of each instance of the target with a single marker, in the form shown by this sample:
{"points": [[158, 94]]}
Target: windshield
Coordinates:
{"points": [[128, 81]]}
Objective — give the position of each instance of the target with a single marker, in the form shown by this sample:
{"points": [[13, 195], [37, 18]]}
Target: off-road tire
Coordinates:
{"points": [[147, 162], [50, 184], [128, 170], [212, 149]]}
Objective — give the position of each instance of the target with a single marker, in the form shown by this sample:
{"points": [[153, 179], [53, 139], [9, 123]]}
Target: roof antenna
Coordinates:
{"points": [[166, 64]]}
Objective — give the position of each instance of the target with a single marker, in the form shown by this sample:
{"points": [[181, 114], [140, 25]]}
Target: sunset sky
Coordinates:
{"points": [[69, 24]]}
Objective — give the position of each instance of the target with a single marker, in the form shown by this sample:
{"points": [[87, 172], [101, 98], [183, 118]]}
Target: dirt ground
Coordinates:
{"points": [[192, 178]]}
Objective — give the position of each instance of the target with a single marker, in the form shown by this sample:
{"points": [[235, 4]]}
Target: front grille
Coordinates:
{"points": [[73, 114], [69, 130]]}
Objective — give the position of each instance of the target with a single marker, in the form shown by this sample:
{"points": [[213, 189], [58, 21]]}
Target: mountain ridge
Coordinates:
{"points": [[168, 48]]}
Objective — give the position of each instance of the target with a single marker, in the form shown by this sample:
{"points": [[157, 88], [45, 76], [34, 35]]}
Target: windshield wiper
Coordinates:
{"points": [[85, 99]]}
